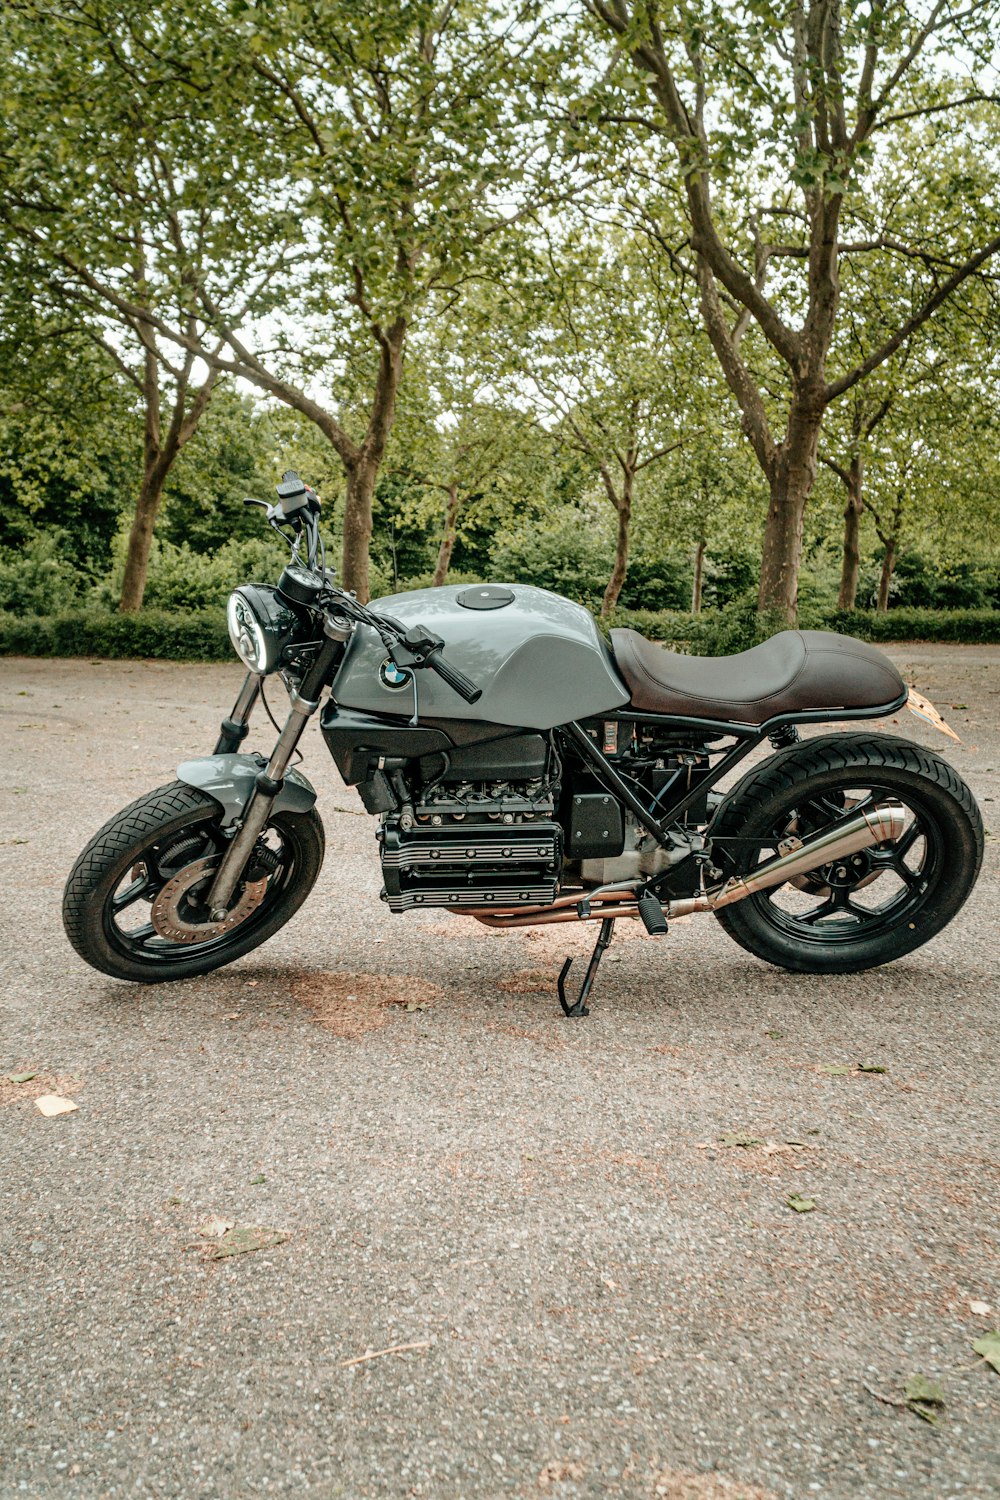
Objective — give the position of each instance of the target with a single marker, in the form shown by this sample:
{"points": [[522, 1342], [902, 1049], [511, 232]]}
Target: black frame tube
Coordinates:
{"points": [[747, 736]]}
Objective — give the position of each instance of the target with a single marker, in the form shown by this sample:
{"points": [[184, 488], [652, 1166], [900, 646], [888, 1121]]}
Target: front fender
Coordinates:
{"points": [[229, 779]]}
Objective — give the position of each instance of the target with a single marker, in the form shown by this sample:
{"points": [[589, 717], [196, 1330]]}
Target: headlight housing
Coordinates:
{"points": [[261, 626]]}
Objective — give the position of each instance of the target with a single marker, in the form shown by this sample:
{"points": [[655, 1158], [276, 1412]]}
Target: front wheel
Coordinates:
{"points": [[873, 906], [134, 905]]}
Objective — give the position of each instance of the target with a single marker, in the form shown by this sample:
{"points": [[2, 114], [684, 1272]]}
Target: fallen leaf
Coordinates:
{"points": [[774, 1034], [924, 1397], [22, 1077], [54, 1104], [412, 1005], [801, 1205], [981, 1309], [734, 1138], [989, 1347], [871, 1068], [835, 1070], [214, 1229], [243, 1238], [256, 1181]]}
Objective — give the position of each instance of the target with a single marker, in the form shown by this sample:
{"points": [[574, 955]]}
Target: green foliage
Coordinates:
{"points": [[158, 633], [39, 577], [566, 552]]}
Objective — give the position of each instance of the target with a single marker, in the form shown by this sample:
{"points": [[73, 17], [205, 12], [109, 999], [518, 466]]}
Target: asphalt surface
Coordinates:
{"points": [[605, 1299]]}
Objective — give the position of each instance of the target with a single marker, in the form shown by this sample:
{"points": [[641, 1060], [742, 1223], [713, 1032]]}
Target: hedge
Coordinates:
{"points": [[167, 634], [202, 636]]}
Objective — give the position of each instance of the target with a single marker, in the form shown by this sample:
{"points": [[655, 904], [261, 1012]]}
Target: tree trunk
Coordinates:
{"points": [[448, 540], [361, 477], [699, 569], [885, 577], [364, 463], [617, 579], [850, 567], [140, 540], [792, 476]]}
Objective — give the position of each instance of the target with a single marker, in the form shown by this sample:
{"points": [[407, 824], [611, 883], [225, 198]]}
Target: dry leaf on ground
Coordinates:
{"points": [[924, 1397], [54, 1104], [243, 1238], [989, 1347], [214, 1229], [350, 1005], [801, 1205], [680, 1484]]}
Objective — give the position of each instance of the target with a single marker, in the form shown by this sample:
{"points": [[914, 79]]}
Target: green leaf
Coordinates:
{"points": [[22, 1077], [774, 1034], [801, 1205], [256, 1181], [835, 1070], [871, 1068], [989, 1347], [733, 1138], [924, 1398]]}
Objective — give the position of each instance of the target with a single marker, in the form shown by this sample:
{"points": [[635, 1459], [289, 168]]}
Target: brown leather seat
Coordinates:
{"points": [[793, 672]]}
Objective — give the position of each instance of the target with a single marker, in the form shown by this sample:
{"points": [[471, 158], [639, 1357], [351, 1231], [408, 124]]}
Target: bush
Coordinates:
{"points": [[199, 636], [182, 579], [972, 626], [38, 577]]}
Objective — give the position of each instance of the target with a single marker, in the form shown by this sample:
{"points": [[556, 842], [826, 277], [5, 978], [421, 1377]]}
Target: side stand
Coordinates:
{"points": [[579, 1006]]}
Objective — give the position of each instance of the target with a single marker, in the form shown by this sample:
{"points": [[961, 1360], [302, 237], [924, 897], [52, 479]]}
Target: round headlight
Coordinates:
{"points": [[245, 633]]}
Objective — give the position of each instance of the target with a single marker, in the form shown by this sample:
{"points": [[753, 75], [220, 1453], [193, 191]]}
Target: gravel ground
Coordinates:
{"points": [[605, 1300]]}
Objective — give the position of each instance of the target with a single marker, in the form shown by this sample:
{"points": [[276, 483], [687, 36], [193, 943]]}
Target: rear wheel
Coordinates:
{"points": [[873, 906], [134, 905]]}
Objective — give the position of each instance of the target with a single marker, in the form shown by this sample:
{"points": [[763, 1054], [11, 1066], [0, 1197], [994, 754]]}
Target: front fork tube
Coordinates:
{"points": [[234, 730], [268, 782]]}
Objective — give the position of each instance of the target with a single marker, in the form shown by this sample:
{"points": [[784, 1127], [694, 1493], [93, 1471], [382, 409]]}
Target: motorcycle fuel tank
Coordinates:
{"points": [[539, 659]]}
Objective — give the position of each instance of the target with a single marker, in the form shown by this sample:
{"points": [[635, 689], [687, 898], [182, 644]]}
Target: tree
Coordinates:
{"points": [[778, 119], [308, 179], [599, 344]]}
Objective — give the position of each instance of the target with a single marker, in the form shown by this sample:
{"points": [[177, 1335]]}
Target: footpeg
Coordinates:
{"points": [[654, 918]]}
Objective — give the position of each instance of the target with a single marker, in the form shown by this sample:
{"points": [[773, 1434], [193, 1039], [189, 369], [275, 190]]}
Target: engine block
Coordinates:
{"points": [[478, 864]]}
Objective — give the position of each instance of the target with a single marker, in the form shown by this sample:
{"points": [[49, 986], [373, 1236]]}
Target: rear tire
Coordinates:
{"points": [[871, 909], [181, 821]]}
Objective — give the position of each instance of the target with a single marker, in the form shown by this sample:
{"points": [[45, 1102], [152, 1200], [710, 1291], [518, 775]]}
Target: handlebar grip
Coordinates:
{"points": [[454, 678]]}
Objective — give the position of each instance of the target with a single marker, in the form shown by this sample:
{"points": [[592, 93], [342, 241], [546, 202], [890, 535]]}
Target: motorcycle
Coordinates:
{"points": [[523, 770]]}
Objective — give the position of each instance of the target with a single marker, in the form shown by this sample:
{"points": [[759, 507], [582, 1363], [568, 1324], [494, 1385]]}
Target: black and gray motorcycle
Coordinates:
{"points": [[523, 771]]}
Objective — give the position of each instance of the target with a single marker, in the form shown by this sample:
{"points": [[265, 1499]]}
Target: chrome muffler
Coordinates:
{"points": [[858, 831]]}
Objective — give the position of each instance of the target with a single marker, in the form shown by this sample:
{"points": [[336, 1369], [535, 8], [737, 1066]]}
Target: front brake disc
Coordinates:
{"points": [[179, 913]]}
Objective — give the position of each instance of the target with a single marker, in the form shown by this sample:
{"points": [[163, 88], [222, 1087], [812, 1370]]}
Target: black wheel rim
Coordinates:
{"points": [[126, 913], [865, 895]]}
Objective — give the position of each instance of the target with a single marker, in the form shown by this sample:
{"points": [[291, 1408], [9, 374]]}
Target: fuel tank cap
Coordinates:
{"points": [[485, 596]]}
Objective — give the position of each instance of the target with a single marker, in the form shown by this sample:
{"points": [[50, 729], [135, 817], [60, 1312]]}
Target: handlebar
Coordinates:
{"points": [[463, 685]]}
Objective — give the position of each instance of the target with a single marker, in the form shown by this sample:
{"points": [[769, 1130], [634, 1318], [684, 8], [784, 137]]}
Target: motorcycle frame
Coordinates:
{"points": [[747, 737]]}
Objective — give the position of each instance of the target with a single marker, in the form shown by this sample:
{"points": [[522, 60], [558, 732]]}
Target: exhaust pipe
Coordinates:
{"points": [[880, 824], [860, 831]]}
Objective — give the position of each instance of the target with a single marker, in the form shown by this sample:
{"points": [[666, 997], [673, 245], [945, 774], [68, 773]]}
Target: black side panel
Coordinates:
{"points": [[357, 739]]}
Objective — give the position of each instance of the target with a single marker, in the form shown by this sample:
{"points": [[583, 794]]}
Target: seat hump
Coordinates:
{"points": [[796, 671]]}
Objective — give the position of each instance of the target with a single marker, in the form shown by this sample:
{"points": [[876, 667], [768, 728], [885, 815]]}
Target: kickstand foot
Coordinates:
{"points": [[579, 1006]]}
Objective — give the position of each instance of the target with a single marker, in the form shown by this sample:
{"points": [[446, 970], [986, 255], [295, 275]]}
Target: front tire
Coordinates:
{"points": [[874, 907], [165, 843]]}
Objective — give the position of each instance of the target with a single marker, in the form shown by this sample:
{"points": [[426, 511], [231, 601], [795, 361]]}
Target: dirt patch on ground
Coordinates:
{"points": [[527, 982], [34, 1087], [676, 1484], [351, 1005]]}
